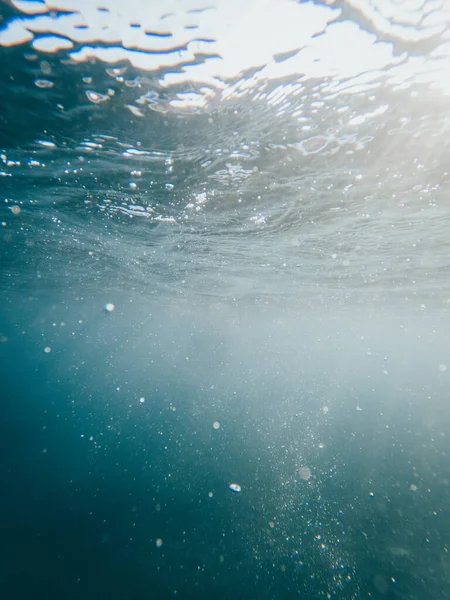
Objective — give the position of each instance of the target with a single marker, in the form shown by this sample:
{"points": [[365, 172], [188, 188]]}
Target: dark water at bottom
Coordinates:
{"points": [[115, 480]]}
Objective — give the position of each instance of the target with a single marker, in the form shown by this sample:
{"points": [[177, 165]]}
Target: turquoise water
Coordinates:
{"points": [[223, 262]]}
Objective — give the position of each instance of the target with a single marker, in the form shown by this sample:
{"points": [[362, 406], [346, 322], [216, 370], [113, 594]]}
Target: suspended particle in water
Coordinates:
{"points": [[43, 83], [46, 143], [235, 487], [47, 349], [216, 425], [159, 543], [142, 399], [95, 97], [305, 473], [109, 307]]}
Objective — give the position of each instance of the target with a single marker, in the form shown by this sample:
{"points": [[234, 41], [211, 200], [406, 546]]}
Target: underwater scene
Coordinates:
{"points": [[225, 299]]}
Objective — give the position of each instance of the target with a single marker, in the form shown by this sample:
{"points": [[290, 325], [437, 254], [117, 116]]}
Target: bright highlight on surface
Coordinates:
{"points": [[229, 49]]}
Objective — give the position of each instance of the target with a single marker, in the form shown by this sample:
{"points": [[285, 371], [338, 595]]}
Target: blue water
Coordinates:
{"points": [[224, 260]]}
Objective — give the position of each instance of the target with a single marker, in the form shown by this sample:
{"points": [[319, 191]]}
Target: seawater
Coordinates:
{"points": [[224, 300]]}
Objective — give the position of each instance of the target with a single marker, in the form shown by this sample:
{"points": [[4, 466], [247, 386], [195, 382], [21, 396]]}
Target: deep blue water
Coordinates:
{"points": [[261, 195]]}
